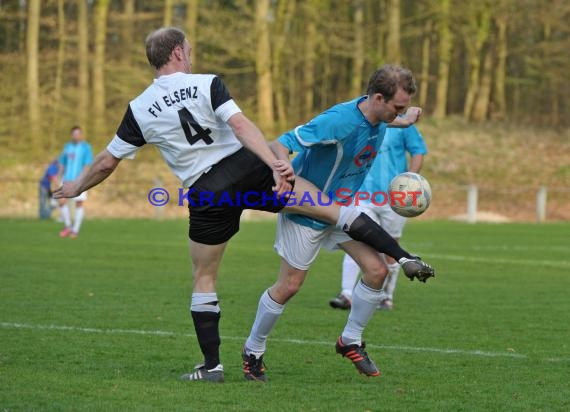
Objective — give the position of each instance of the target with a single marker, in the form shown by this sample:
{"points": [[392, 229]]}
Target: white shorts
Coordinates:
{"points": [[299, 245], [390, 221], [81, 198]]}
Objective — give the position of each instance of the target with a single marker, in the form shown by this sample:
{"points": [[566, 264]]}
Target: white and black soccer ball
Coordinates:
{"points": [[410, 194]]}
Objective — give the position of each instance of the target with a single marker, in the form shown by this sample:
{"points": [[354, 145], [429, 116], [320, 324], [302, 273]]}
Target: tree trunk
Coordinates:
{"points": [[393, 53], [191, 31], [444, 32], [326, 63], [167, 20], [380, 33], [481, 106], [58, 70], [424, 76], [358, 49], [22, 25], [499, 97], [479, 23], [32, 49], [473, 84], [285, 13], [263, 66], [83, 63], [311, 7], [127, 28], [99, 99], [551, 85]]}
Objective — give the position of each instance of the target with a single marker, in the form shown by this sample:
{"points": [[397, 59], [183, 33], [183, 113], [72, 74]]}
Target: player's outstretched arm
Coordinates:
{"points": [[251, 137], [104, 164], [411, 116]]}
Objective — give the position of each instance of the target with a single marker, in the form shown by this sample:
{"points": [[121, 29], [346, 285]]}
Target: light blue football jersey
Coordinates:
{"points": [[74, 158], [391, 159], [335, 152]]}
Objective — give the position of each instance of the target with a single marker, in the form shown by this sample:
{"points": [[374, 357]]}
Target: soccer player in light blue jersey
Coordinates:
{"points": [[75, 159], [335, 150], [390, 161]]}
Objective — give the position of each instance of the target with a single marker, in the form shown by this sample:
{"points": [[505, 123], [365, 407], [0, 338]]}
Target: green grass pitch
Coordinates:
{"points": [[102, 323]]}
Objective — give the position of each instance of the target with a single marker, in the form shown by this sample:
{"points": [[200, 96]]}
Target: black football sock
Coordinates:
{"points": [[208, 334], [366, 230]]}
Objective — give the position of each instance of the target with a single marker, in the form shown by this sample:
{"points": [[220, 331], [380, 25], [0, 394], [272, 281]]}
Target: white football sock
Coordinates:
{"points": [[391, 280], [364, 303], [64, 210], [268, 313], [350, 270], [79, 213]]}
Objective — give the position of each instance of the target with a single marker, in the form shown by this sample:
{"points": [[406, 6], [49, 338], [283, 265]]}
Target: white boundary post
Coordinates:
{"points": [[158, 210], [472, 204], [541, 204]]}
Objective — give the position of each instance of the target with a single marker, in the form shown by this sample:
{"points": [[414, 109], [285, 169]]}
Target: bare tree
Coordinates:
{"points": [[499, 87], [83, 62], [311, 18], [444, 33], [393, 54], [263, 65], [358, 49], [32, 49], [99, 61], [424, 74], [191, 26], [127, 30], [481, 106], [285, 13], [475, 30], [62, 39], [167, 20]]}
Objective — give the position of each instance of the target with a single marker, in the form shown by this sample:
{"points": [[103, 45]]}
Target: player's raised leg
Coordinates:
{"points": [[205, 310], [366, 297], [359, 226]]}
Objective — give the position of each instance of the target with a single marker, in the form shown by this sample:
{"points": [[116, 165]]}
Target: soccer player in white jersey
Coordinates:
{"points": [[335, 152], [390, 161], [74, 160], [214, 149]]}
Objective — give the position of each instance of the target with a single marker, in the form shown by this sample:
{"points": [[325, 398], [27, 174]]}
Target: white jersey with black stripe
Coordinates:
{"points": [[185, 116]]}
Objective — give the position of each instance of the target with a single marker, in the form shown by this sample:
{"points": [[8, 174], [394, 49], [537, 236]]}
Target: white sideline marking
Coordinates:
{"points": [[554, 263], [10, 325], [492, 248]]}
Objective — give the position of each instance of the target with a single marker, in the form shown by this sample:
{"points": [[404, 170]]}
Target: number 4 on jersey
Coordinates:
{"points": [[188, 123]]}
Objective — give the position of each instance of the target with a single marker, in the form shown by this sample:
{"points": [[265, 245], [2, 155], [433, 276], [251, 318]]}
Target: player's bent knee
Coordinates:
{"points": [[374, 276], [286, 288], [293, 286]]}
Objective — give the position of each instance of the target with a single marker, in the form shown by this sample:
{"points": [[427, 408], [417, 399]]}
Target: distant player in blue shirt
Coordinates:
{"points": [[75, 158], [50, 175], [335, 150], [390, 161]]}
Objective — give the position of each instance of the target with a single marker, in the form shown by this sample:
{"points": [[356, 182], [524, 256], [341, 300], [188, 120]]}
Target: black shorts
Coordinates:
{"points": [[217, 199]]}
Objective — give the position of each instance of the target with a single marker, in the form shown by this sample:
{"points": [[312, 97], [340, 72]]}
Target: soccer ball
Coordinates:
{"points": [[410, 194]]}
